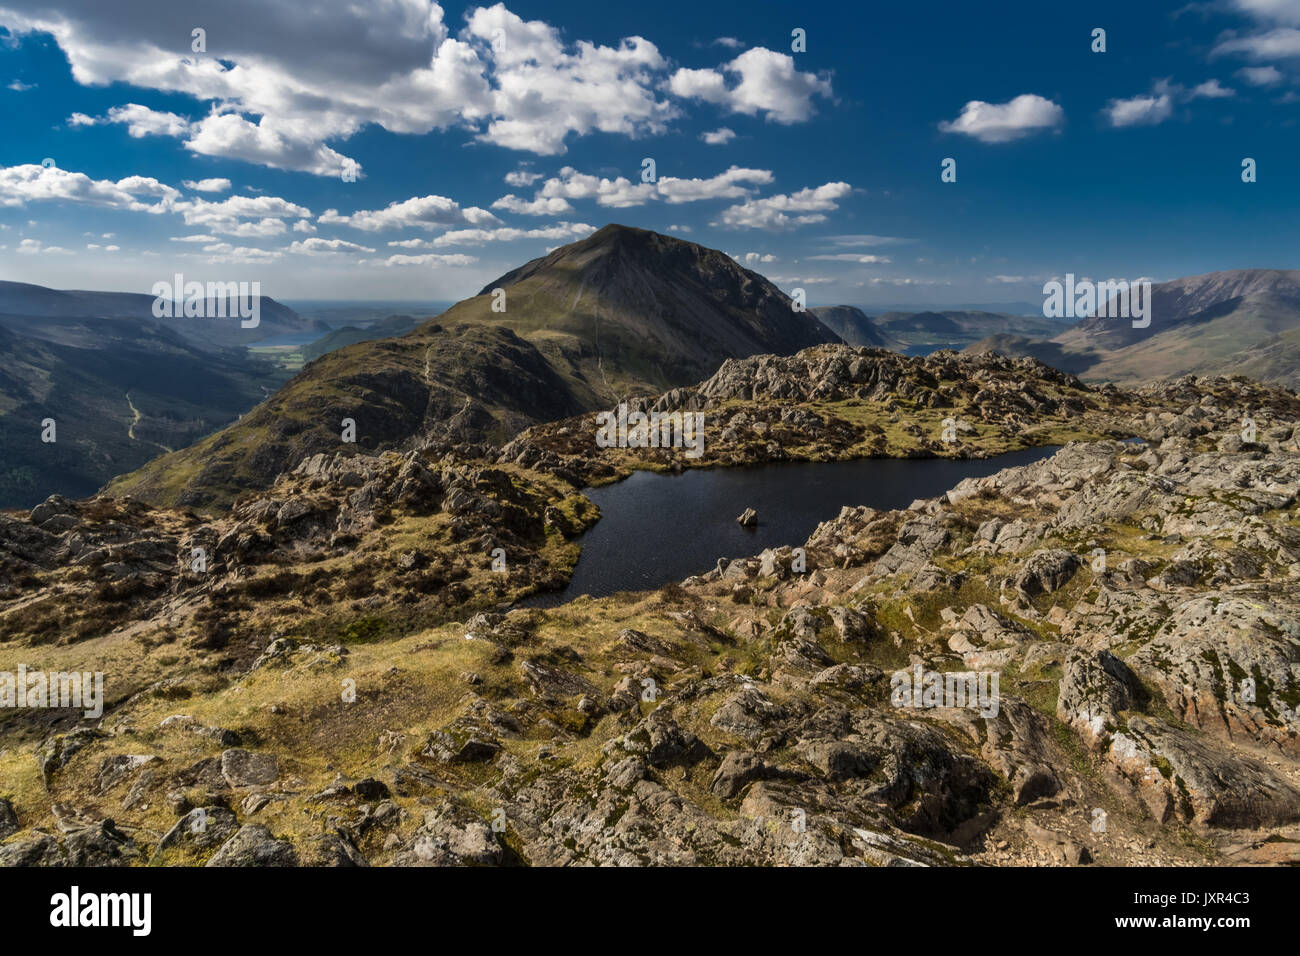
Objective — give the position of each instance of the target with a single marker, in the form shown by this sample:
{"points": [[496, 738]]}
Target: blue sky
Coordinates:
{"points": [[480, 137]]}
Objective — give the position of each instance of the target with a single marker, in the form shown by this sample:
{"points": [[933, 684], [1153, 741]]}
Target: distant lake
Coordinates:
{"points": [[294, 338], [657, 528]]}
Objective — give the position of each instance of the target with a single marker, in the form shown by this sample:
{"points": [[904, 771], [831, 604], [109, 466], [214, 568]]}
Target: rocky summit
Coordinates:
{"points": [[1092, 659]]}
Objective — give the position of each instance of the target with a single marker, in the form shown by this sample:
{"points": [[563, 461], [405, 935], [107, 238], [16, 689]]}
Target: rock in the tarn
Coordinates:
{"points": [[748, 518]]}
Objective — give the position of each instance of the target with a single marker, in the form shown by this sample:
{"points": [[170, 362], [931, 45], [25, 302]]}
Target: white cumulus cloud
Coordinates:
{"points": [[1211, 90], [207, 185], [522, 178], [310, 76], [541, 206], [1004, 122], [426, 212], [428, 259], [860, 258], [759, 81], [786, 211], [567, 231], [242, 216], [616, 193], [1261, 75], [316, 246], [32, 247], [32, 183], [1144, 110], [730, 184]]}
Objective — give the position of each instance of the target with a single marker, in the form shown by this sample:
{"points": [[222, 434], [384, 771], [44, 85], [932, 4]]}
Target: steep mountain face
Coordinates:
{"points": [[628, 309], [35, 310], [462, 383], [854, 326], [119, 391], [1245, 321], [625, 311]]}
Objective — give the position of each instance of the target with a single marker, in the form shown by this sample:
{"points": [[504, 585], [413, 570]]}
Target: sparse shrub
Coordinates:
{"points": [[362, 630]]}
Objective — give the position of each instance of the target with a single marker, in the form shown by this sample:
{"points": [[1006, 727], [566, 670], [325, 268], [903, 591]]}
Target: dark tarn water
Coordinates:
{"points": [[659, 528]]}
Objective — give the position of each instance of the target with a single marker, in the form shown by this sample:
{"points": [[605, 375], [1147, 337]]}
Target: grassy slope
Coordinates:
{"points": [[384, 388]]}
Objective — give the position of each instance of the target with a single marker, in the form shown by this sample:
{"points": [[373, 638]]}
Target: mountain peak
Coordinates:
{"points": [[616, 231], [635, 294], [622, 245]]}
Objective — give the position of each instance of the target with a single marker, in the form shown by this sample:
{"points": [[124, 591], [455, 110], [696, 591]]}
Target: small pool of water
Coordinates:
{"points": [[658, 528]]}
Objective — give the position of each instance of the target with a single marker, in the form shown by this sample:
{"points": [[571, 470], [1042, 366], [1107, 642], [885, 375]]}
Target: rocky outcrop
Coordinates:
{"points": [[83, 569]]}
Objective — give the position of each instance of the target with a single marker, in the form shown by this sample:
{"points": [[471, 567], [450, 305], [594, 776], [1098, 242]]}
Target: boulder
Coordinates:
{"points": [[243, 768], [253, 845]]}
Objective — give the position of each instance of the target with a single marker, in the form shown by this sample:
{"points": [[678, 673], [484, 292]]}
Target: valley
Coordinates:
{"points": [[79, 372]]}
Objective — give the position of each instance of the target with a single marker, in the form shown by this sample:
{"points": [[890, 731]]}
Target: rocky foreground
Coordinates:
{"points": [[1136, 602]]}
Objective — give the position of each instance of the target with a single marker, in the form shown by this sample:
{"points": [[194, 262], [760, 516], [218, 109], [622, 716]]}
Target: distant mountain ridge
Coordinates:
{"points": [[961, 323], [918, 332], [1241, 321], [22, 303], [121, 385], [1189, 299]]}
